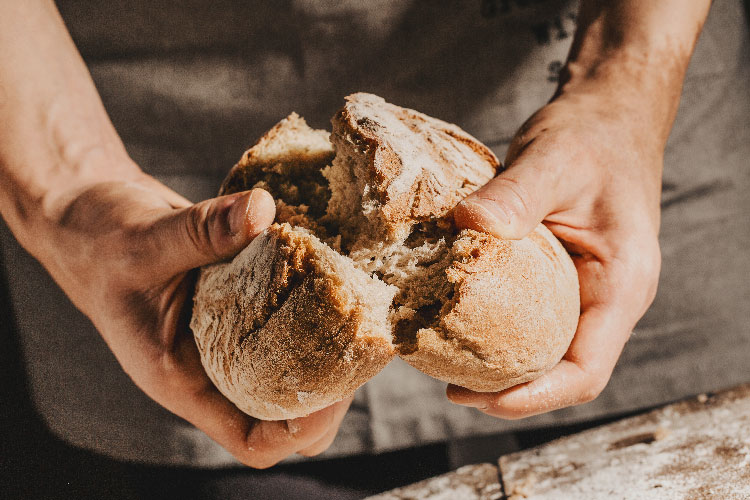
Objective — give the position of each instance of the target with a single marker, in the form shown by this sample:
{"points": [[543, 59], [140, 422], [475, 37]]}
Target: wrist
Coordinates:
{"points": [[34, 201], [630, 91], [633, 55], [627, 75], [79, 165], [55, 136]]}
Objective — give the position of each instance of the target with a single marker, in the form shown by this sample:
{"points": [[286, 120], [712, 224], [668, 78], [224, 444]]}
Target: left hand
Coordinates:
{"points": [[592, 171], [589, 166]]}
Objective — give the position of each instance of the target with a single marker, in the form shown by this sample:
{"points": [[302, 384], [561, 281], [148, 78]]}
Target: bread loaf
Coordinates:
{"points": [[364, 263]]}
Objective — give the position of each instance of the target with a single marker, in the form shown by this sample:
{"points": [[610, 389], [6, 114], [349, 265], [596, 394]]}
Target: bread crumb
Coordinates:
{"points": [[525, 488], [292, 426], [661, 433]]}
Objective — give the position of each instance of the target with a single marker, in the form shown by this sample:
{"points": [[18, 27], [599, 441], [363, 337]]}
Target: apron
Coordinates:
{"points": [[190, 85]]}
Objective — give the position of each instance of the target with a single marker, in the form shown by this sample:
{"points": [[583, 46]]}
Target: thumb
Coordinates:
{"points": [[512, 204], [211, 231]]}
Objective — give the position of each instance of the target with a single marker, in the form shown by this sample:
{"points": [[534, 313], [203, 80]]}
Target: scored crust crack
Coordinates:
{"points": [[364, 263]]}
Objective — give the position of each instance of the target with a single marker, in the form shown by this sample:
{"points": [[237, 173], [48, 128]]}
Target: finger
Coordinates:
{"points": [[259, 444], [327, 440], [579, 377], [274, 441], [208, 232], [615, 292], [512, 204], [176, 379], [256, 443]]}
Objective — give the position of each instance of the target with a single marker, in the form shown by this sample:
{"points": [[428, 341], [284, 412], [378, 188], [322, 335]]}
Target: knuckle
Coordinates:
{"points": [[520, 198], [259, 454], [589, 394], [534, 126], [196, 227], [641, 261], [270, 442], [593, 389]]}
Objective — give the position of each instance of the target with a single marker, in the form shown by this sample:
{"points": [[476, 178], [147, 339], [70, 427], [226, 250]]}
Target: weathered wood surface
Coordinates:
{"points": [[472, 482], [695, 449]]}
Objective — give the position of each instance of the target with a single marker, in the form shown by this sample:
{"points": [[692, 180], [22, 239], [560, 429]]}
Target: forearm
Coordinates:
{"points": [[55, 134], [635, 52]]}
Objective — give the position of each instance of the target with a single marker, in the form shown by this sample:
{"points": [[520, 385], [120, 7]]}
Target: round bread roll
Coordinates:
{"points": [[364, 263]]}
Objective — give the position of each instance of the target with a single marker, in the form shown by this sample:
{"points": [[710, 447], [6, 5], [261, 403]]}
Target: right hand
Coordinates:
{"points": [[123, 251], [590, 170]]}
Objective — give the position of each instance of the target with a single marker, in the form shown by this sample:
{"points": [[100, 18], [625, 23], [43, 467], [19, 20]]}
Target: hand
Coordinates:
{"points": [[121, 245], [123, 251], [587, 166]]}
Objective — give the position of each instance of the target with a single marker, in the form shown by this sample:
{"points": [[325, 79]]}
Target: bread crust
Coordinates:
{"points": [[512, 315], [279, 333], [419, 167], [287, 148]]}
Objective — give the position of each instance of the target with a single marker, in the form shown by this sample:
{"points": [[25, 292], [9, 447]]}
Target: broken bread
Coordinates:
{"points": [[290, 326], [364, 263]]}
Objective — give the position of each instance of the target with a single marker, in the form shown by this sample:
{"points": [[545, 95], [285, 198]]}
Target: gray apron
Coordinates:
{"points": [[189, 85]]}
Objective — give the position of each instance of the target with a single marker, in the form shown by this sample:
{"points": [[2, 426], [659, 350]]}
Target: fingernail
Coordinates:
{"points": [[262, 211], [487, 216], [238, 213], [464, 397], [480, 405]]}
